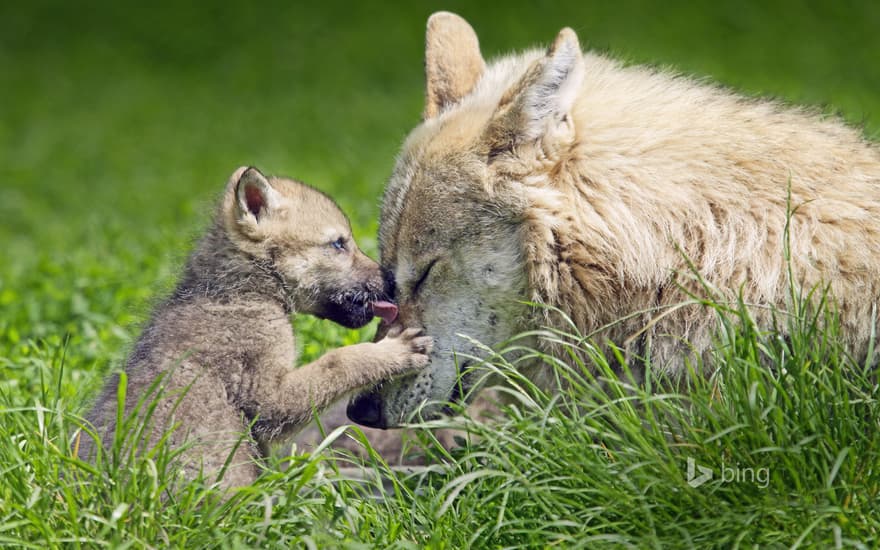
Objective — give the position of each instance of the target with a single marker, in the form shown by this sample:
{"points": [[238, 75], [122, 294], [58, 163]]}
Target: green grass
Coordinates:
{"points": [[118, 127]]}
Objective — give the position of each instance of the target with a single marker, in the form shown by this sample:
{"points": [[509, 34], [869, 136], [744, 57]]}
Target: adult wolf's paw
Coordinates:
{"points": [[405, 350]]}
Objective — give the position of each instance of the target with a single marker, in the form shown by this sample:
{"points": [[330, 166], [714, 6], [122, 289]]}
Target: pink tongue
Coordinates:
{"points": [[386, 310]]}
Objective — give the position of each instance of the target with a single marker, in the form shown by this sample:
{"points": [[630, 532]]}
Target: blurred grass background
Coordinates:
{"points": [[120, 122]]}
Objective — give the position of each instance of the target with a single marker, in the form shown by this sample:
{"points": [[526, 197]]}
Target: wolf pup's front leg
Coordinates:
{"points": [[282, 406]]}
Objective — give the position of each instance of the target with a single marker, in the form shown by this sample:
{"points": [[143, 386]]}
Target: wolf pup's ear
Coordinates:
{"points": [[453, 63], [254, 195], [250, 202], [539, 106]]}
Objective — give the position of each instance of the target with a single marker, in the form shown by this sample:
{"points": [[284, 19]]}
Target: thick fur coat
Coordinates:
{"points": [[572, 180], [215, 369]]}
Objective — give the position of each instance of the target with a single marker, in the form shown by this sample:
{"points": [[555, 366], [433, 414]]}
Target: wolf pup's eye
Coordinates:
{"points": [[339, 244]]}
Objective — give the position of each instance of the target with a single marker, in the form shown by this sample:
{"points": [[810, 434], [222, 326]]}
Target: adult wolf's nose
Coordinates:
{"points": [[366, 409]]}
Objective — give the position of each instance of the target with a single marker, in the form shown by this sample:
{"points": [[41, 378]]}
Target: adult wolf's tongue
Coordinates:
{"points": [[386, 310]]}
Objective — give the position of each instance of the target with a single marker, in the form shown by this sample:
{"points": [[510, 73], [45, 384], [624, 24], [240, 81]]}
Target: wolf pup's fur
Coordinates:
{"points": [[222, 344], [568, 179]]}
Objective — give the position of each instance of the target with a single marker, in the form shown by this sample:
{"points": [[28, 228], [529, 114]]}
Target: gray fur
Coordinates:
{"points": [[222, 343]]}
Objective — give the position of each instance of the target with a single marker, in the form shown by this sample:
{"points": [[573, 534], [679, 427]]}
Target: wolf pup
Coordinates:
{"points": [[222, 349], [569, 179]]}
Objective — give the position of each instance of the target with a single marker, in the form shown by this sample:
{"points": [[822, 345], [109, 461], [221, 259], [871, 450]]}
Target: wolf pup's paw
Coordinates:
{"points": [[405, 350]]}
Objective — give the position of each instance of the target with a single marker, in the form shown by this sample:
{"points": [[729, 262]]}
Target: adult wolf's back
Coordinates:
{"points": [[571, 180]]}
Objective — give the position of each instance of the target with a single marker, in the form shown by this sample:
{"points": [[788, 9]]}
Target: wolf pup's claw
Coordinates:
{"points": [[407, 349]]}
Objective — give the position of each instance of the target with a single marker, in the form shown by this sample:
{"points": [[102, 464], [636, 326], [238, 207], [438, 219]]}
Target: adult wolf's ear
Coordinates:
{"points": [[538, 107], [453, 63]]}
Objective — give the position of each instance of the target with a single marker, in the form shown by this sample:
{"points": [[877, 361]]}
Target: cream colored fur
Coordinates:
{"points": [[575, 181]]}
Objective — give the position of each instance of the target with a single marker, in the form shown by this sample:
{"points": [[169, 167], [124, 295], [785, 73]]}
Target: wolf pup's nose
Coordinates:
{"points": [[365, 409], [386, 310]]}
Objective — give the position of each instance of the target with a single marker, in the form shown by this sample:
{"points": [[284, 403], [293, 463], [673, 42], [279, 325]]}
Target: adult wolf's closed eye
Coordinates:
{"points": [[421, 280]]}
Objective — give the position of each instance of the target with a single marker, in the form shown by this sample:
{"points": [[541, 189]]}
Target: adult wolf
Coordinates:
{"points": [[568, 179]]}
